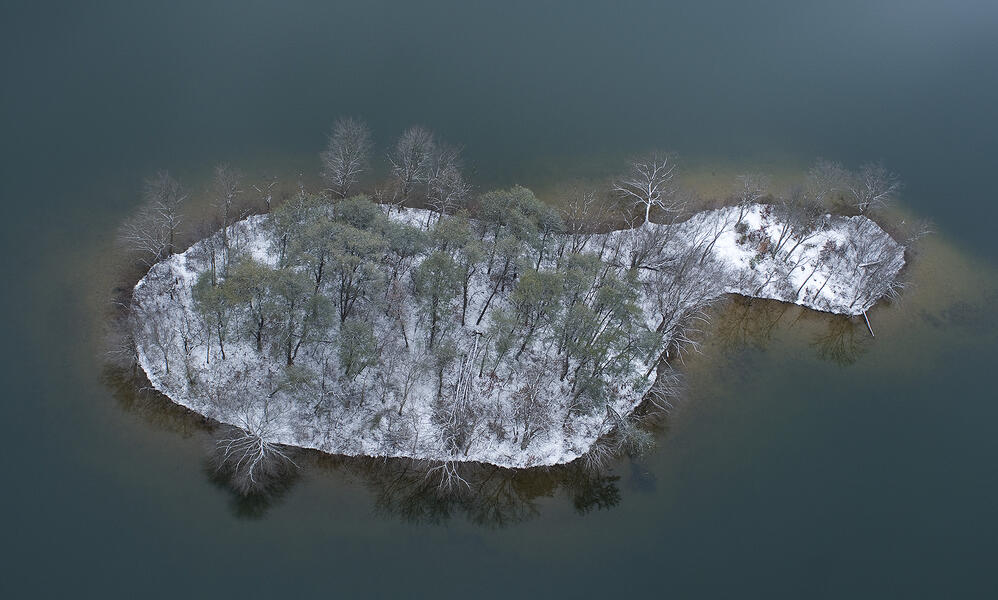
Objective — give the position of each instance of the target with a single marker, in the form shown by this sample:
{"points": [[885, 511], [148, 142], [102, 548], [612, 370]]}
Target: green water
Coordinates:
{"points": [[806, 460]]}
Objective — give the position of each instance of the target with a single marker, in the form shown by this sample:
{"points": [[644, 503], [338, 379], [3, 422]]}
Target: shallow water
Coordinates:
{"points": [[806, 459]]}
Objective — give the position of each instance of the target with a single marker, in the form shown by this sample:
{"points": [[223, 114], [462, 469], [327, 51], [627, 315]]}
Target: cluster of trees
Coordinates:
{"points": [[801, 213], [345, 275], [423, 168], [870, 187]]}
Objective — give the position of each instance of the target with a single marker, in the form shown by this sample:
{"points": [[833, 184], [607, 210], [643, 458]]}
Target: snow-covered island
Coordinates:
{"points": [[516, 336]]}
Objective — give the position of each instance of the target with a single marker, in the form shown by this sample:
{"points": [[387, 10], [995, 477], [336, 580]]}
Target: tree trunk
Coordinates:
{"points": [[464, 302], [221, 341], [433, 321]]}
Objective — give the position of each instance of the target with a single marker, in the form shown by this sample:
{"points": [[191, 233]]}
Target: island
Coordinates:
{"points": [[493, 329], [357, 330]]}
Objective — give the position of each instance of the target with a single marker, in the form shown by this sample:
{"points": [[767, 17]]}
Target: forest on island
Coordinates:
{"points": [[489, 326]]}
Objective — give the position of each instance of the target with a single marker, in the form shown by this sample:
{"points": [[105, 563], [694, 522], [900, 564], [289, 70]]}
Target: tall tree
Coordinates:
{"points": [[649, 184], [536, 300], [288, 222], [437, 282], [347, 156], [506, 253], [873, 187], [749, 189], [358, 347], [151, 232], [301, 314], [826, 181], [446, 188], [213, 305], [225, 196], [410, 160], [166, 196], [582, 216], [249, 286], [312, 249], [455, 237], [354, 267]]}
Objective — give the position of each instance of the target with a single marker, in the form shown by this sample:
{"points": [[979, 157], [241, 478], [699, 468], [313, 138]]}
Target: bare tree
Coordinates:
{"points": [[649, 184], [446, 188], [449, 476], [714, 224], [410, 159], [532, 407], [873, 187], [167, 196], [153, 325], [750, 188], [683, 285], [879, 258], [458, 413], [250, 458], [582, 214], [626, 437], [152, 231], [145, 235], [800, 219], [669, 384], [347, 155], [266, 192], [645, 245], [825, 179]]}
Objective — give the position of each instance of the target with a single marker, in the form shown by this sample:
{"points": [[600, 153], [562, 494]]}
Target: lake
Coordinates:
{"points": [[806, 459]]}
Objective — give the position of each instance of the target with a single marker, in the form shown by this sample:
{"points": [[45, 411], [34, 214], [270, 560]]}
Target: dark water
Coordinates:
{"points": [[806, 461]]}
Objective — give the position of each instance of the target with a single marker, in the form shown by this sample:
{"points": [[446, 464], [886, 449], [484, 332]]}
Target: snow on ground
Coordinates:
{"points": [[390, 410]]}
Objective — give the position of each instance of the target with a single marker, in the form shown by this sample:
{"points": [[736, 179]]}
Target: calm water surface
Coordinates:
{"points": [[806, 460]]}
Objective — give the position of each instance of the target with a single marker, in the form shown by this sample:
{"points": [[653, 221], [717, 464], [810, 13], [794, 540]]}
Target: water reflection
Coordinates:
{"points": [[641, 478], [130, 389], [752, 322], [842, 342], [408, 490], [747, 322], [489, 496], [977, 314], [495, 497], [255, 504], [405, 489]]}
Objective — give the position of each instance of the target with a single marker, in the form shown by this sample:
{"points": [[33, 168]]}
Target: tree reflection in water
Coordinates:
{"points": [[843, 341], [410, 490], [494, 497], [742, 321], [133, 394], [748, 322], [486, 495]]}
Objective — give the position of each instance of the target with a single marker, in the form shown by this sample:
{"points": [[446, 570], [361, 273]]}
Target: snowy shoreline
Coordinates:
{"points": [[844, 267]]}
